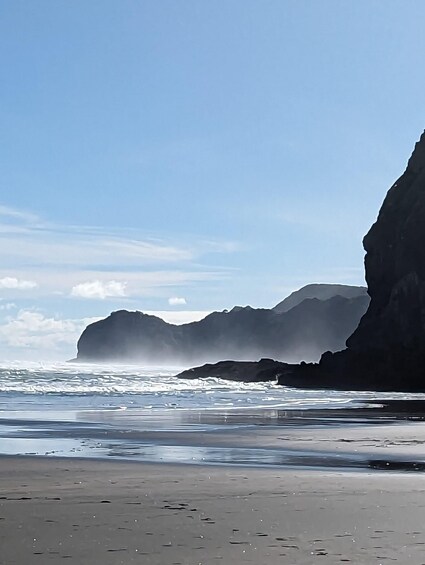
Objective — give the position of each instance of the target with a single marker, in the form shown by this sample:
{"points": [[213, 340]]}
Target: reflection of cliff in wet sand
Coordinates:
{"points": [[387, 351]]}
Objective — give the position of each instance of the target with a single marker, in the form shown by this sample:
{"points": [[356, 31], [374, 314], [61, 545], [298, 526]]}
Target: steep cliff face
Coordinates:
{"points": [[395, 264], [393, 330], [387, 350]]}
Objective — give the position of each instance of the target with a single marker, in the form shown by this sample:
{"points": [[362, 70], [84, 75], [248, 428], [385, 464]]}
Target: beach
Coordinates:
{"points": [[106, 467], [352, 493], [101, 512]]}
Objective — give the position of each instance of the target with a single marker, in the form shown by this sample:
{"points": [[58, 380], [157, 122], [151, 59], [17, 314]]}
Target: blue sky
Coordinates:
{"points": [[186, 156]]}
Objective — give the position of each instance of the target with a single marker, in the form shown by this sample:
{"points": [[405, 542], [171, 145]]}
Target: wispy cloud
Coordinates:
{"points": [[25, 237], [99, 290], [16, 214], [61, 258], [47, 246]]}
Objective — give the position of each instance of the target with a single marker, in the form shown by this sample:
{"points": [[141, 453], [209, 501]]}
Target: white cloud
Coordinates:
{"points": [[99, 290], [18, 284], [176, 301], [33, 329], [138, 283]]}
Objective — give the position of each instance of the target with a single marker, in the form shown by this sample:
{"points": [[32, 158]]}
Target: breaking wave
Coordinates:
{"points": [[38, 386]]}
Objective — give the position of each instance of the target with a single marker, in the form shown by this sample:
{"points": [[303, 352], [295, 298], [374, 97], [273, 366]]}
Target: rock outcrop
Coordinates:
{"points": [[301, 333], [387, 350], [242, 371], [388, 347]]}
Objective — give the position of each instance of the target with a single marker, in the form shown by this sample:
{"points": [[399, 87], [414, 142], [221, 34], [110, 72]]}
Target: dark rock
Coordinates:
{"points": [[321, 292], [301, 333], [391, 337], [387, 350], [123, 333], [242, 371]]}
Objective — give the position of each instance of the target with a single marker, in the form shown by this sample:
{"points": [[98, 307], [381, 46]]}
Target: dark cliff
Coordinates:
{"points": [[389, 344], [387, 350], [301, 333]]}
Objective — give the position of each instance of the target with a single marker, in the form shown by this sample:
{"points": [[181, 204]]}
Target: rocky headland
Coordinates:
{"points": [[387, 350], [312, 320]]}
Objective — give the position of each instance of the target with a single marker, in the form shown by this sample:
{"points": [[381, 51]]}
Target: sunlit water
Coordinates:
{"points": [[108, 411], [41, 387]]}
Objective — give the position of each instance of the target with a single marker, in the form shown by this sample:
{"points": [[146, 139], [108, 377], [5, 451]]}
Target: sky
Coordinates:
{"points": [[179, 157]]}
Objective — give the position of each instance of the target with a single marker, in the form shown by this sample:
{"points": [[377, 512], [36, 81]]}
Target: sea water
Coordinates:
{"points": [[66, 386], [68, 409]]}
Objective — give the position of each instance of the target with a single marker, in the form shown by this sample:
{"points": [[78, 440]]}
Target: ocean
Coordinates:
{"points": [[145, 413]]}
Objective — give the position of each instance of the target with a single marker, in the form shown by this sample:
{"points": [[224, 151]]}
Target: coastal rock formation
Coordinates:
{"points": [[243, 371], [302, 332], [123, 334], [388, 347], [321, 292], [387, 350]]}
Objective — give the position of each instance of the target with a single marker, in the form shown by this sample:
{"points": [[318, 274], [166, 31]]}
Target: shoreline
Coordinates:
{"points": [[357, 439]]}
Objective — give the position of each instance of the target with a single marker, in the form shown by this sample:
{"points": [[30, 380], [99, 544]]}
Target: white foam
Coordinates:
{"points": [[99, 386]]}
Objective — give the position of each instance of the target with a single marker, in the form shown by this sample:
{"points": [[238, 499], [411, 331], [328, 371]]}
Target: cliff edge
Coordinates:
{"points": [[389, 344], [387, 350]]}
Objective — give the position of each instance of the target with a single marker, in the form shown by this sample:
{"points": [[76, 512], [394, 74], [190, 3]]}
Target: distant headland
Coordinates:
{"points": [[314, 319]]}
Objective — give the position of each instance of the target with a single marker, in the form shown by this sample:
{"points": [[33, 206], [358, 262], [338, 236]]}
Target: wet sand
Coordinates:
{"points": [[388, 437], [100, 512]]}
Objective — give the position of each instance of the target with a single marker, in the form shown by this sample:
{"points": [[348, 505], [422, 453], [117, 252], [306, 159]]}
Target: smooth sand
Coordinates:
{"points": [[101, 512]]}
